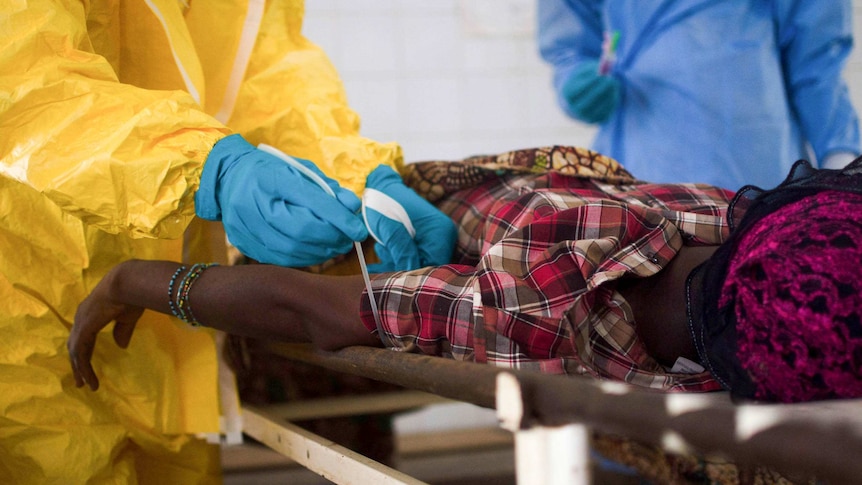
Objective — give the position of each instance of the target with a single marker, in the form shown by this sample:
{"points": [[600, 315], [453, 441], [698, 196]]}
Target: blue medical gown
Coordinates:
{"points": [[723, 92]]}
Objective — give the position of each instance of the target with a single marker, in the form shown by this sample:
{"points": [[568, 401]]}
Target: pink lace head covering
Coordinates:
{"points": [[776, 312], [795, 282]]}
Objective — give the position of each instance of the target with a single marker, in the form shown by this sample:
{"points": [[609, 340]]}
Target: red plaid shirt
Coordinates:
{"points": [[534, 285]]}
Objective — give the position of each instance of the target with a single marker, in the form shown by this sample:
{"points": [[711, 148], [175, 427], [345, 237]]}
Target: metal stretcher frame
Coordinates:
{"points": [[551, 415]]}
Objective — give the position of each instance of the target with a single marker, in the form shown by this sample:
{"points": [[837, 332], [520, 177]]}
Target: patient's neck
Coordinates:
{"points": [[659, 302]]}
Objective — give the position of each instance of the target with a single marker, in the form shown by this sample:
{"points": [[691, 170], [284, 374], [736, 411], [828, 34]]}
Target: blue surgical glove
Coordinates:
{"points": [[588, 95], [273, 213], [392, 211]]}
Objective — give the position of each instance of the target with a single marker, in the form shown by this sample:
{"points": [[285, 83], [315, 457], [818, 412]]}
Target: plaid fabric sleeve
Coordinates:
{"points": [[428, 310]]}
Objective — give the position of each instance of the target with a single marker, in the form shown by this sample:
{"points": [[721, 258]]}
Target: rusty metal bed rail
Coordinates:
{"points": [[823, 439]]}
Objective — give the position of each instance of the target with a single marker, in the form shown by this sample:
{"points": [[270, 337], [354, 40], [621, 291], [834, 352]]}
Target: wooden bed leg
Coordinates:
{"points": [[543, 455]]}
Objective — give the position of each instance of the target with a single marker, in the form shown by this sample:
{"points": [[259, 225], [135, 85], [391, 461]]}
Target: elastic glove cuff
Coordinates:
{"points": [[382, 177], [223, 155]]}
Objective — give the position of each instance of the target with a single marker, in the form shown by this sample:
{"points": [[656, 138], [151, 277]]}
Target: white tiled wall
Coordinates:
{"points": [[452, 78], [446, 79]]}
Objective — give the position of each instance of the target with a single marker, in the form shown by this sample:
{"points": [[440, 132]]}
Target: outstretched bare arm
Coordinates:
{"points": [[260, 301]]}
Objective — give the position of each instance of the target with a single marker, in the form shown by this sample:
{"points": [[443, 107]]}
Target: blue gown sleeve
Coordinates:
{"points": [[569, 32], [815, 39]]}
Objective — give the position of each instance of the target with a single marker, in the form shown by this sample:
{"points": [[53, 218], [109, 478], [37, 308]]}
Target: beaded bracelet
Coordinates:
{"points": [[183, 305], [171, 303]]}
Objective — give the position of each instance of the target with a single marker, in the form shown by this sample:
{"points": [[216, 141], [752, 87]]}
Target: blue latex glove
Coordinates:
{"points": [[589, 96], [397, 212], [273, 213]]}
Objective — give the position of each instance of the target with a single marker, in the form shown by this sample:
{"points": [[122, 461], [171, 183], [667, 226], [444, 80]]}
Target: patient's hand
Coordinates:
{"points": [[95, 313]]}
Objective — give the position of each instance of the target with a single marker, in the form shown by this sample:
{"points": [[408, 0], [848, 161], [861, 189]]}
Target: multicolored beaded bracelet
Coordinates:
{"points": [[180, 304], [171, 303]]}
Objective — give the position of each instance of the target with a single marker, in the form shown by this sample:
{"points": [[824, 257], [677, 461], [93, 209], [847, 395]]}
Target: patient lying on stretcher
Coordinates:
{"points": [[576, 268]]}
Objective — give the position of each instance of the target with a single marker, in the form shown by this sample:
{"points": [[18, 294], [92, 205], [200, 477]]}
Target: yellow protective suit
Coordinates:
{"points": [[108, 109]]}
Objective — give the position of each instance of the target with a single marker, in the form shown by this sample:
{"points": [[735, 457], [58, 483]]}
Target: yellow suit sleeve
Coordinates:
{"points": [[120, 158], [292, 98]]}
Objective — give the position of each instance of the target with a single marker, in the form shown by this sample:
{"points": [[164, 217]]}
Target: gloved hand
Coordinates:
{"points": [[273, 213], [590, 96], [392, 211]]}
